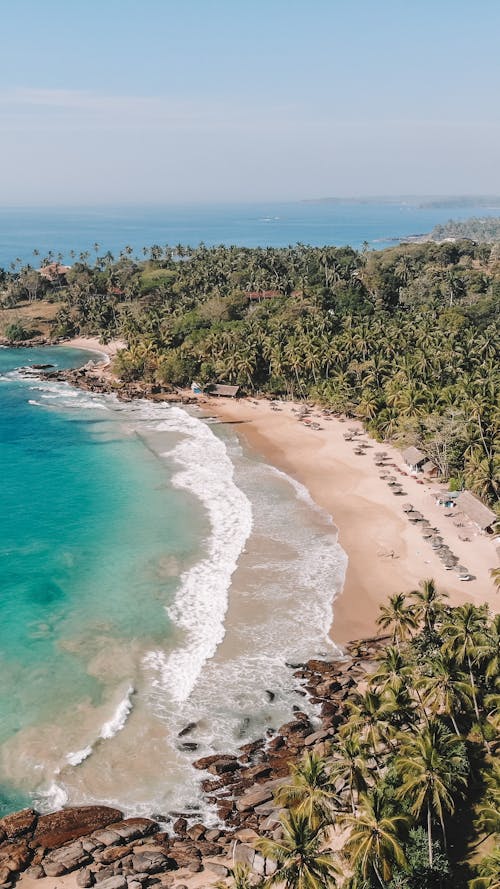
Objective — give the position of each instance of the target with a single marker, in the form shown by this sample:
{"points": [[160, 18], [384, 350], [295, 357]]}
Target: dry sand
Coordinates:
{"points": [[92, 344], [386, 553]]}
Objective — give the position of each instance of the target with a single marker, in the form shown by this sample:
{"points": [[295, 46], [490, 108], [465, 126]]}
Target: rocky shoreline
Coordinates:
{"points": [[96, 378], [112, 852]]}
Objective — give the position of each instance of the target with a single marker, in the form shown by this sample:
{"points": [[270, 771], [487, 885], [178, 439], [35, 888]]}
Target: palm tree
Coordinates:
{"points": [[489, 870], [431, 767], [310, 791], [300, 863], [444, 689], [429, 603], [465, 636], [398, 617], [392, 671], [495, 573], [348, 764], [240, 876], [488, 811], [374, 844], [369, 712]]}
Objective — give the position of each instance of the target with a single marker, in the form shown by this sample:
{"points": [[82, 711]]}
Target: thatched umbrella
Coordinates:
{"points": [[426, 534], [407, 507], [436, 541], [461, 569]]}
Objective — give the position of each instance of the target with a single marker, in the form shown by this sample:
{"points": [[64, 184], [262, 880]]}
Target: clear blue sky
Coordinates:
{"points": [[201, 100]]}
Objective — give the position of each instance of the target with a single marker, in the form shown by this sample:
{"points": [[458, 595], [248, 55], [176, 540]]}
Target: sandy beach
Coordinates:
{"points": [[93, 344], [386, 553]]}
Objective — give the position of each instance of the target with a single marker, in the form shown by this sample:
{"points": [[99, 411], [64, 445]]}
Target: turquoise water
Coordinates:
{"points": [[153, 574], [93, 538], [23, 230]]}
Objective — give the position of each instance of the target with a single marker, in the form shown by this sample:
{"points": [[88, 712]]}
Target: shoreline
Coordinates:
{"points": [[386, 554]]}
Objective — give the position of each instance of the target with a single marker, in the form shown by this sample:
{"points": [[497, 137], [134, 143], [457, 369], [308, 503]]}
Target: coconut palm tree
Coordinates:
{"points": [[465, 636], [310, 790], [300, 861], [489, 870], [369, 716], [348, 764], [495, 573], [240, 877], [429, 603], [397, 617], [432, 772], [445, 690], [393, 670], [374, 845]]}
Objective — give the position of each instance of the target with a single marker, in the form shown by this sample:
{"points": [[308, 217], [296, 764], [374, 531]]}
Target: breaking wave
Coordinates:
{"points": [[202, 599]]}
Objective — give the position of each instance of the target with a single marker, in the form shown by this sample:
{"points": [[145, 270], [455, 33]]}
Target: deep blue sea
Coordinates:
{"points": [[23, 230]]}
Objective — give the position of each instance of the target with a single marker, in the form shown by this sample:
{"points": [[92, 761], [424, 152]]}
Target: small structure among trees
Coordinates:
{"points": [[476, 511], [223, 390], [414, 459]]}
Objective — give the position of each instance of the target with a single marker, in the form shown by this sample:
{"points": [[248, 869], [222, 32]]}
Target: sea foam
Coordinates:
{"points": [[120, 716], [202, 599]]}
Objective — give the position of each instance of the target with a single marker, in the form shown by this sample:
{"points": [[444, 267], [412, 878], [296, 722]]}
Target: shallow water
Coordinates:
{"points": [[155, 573]]}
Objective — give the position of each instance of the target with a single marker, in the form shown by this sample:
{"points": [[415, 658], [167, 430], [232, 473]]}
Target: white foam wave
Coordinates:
{"points": [[202, 599], [301, 492], [52, 799], [120, 716], [78, 756]]}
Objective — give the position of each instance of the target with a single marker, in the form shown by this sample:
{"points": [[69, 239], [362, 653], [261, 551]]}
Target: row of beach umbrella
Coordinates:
{"points": [[431, 535]]}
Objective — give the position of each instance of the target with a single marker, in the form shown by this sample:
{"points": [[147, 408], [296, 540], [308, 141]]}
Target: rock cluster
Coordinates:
{"points": [[88, 379], [111, 852]]}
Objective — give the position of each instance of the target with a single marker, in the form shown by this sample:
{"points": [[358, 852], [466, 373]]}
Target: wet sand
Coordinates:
{"points": [[386, 553]]}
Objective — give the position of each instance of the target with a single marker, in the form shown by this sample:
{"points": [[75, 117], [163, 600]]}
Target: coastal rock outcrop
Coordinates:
{"points": [[110, 852], [53, 830]]}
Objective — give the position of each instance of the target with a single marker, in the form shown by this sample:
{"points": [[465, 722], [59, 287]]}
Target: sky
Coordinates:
{"points": [[141, 101]]}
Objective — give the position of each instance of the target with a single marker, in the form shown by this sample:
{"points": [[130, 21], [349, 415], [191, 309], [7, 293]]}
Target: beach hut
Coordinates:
{"points": [[476, 511], [430, 469], [223, 390], [414, 459]]}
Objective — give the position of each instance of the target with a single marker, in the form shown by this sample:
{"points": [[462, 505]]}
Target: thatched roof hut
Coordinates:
{"points": [[476, 511], [414, 458], [223, 390]]}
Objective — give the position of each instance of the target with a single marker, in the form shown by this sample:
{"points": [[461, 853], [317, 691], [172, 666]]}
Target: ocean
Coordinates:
{"points": [[154, 574], [154, 570], [62, 230]]}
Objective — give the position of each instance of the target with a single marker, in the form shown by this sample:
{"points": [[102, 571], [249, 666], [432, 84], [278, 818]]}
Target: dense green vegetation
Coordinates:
{"points": [[418, 756], [482, 229], [405, 339]]}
